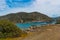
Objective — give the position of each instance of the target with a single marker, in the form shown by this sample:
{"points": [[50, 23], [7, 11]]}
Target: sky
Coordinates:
{"points": [[47, 7]]}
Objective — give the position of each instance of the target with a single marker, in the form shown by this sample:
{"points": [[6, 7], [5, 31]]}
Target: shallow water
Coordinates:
{"points": [[29, 24]]}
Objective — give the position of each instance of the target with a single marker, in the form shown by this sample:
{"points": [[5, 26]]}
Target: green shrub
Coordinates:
{"points": [[9, 29]]}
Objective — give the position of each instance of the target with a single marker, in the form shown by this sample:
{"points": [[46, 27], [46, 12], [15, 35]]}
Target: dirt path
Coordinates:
{"points": [[50, 34]]}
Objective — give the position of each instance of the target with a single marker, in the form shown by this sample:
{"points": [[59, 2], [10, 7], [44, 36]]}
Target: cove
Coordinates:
{"points": [[29, 24]]}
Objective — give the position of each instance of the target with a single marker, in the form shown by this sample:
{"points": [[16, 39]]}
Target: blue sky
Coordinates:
{"points": [[48, 7]]}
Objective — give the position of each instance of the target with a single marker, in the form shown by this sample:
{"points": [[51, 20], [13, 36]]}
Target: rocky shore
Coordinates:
{"points": [[47, 32]]}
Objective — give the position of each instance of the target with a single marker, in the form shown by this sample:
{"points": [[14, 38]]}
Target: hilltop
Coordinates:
{"points": [[21, 17]]}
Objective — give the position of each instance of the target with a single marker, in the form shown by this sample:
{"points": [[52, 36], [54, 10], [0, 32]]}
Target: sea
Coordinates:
{"points": [[29, 24]]}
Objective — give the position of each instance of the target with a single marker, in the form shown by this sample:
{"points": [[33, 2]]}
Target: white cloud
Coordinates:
{"points": [[48, 7], [55, 2]]}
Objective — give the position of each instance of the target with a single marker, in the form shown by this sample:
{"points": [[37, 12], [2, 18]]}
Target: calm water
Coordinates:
{"points": [[29, 24]]}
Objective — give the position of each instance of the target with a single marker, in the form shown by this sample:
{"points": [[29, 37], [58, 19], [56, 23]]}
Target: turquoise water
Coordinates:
{"points": [[29, 24]]}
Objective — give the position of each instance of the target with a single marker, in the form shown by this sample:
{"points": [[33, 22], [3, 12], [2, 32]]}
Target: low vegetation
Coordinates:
{"points": [[9, 29]]}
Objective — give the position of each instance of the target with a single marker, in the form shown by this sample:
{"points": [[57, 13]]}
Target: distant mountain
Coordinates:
{"points": [[57, 20], [25, 17]]}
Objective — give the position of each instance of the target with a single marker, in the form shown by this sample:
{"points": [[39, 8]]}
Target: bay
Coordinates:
{"points": [[29, 24]]}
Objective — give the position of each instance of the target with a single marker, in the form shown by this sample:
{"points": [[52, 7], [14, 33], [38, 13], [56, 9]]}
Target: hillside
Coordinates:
{"points": [[25, 17], [48, 32], [9, 30]]}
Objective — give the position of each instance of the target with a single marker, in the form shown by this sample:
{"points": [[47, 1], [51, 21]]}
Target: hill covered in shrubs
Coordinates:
{"points": [[25, 17]]}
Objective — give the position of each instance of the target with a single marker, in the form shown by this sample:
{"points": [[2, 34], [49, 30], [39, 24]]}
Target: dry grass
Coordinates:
{"points": [[48, 32]]}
